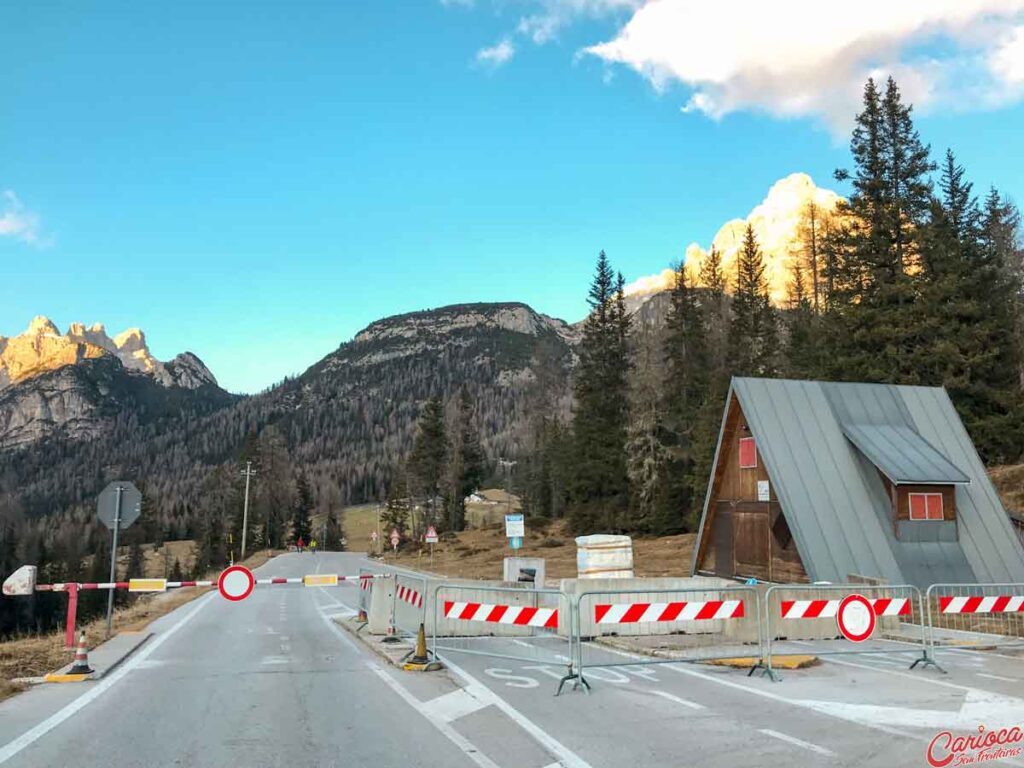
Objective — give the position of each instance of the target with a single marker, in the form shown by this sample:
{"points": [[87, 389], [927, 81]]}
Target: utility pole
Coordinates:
{"points": [[248, 472], [113, 557]]}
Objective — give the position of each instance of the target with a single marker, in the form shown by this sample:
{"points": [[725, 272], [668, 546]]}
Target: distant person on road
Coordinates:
{"points": [[312, 546], [300, 544]]}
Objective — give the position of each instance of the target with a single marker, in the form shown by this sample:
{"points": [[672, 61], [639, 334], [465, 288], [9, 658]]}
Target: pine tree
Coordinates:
{"points": [[600, 485], [467, 466], [873, 322], [685, 388], [302, 524], [429, 453], [802, 346], [753, 330], [333, 532]]}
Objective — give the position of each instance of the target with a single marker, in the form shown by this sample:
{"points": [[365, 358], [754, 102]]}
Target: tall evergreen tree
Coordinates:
{"points": [[802, 346], [685, 388], [600, 484], [466, 467], [874, 318], [302, 509], [753, 329], [429, 453]]}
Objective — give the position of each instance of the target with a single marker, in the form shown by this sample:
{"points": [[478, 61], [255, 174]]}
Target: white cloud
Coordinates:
{"points": [[497, 54], [795, 58], [551, 16], [18, 222], [1007, 61], [466, 3]]}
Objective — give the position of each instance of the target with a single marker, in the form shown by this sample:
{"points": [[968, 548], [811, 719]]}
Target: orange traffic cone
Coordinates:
{"points": [[81, 666]]}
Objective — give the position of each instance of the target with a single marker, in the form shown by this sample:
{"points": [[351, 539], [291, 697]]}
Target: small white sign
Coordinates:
{"points": [[515, 526], [763, 493], [431, 536]]}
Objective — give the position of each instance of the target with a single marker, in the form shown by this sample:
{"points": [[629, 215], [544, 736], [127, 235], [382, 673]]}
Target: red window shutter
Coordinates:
{"points": [[918, 507], [934, 506], [748, 453]]}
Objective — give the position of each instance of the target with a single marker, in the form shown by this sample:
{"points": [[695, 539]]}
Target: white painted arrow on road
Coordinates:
{"points": [[978, 708]]}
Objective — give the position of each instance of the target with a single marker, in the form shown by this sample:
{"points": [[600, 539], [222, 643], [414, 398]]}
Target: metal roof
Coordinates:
{"points": [[835, 501], [902, 455]]}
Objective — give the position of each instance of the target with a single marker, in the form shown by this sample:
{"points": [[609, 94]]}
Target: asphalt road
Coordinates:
{"points": [[272, 681]]}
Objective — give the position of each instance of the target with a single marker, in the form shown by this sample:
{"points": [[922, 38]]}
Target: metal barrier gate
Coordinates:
{"points": [[802, 615], [408, 604], [975, 615], [530, 625], [672, 625]]}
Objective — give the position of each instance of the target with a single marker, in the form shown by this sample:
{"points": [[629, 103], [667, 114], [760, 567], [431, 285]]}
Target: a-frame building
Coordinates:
{"points": [[821, 481]]}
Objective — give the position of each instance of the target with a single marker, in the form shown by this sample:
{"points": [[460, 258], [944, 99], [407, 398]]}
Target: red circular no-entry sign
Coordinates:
{"points": [[236, 583], [856, 618]]}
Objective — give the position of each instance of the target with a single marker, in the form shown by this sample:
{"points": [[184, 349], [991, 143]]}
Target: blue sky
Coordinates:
{"points": [[257, 181]]}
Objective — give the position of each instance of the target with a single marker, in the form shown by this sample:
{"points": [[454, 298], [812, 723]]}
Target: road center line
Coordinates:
{"points": [[997, 677], [797, 742], [677, 700], [15, 746]]}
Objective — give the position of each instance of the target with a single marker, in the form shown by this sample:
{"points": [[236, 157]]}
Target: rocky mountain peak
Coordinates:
{"points": [[43, 348], [42, 326]]}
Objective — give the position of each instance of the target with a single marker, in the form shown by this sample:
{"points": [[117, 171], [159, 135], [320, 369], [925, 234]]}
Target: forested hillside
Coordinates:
{"points": [[915, 279]]}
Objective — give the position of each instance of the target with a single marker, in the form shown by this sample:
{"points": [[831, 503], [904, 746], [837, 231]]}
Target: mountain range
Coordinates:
{"points": [[79, 407], [347, 420]]}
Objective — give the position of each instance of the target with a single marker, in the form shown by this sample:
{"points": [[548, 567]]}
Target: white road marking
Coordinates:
{"points": [[453, 705], [566, 756], [274, 660], [15, 746], [677, 700], [997, 677], [460, 741], [797, 742]]}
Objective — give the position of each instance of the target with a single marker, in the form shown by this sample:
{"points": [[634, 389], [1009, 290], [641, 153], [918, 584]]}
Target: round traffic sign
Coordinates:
{"points": [[856, 618], [236, 583]]}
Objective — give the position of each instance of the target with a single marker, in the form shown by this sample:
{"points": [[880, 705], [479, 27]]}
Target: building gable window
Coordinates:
{"points": [[926, 506], [748, 453]]}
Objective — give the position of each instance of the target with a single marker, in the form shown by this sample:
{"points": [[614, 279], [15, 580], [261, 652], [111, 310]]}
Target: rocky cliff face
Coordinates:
{"points": [[43, 348], [75, 385]]}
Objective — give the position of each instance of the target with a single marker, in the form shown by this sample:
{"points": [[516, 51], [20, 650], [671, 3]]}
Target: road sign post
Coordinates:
{"points": [[119, 505], [395, 538], [515, 530], [431, 538]]}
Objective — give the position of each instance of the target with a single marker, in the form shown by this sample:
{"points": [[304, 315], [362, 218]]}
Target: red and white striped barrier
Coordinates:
{"points": [[637, 613], [160, 585], [827, 609], [518, 615], [991, 604], [410, 596]]}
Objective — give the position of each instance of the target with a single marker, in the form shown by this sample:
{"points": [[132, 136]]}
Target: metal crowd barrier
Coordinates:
{"points": [[669, 625], [975, 615], [408, 604], [801, 619], [521, 624], [365, 592]]}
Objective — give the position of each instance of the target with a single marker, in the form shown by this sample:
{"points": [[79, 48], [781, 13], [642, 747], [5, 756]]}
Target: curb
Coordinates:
{"points": [[99, 674], [353, 629]]}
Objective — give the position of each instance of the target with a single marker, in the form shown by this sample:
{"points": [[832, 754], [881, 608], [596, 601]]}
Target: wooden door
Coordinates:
{"points": [[752, 544]]}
